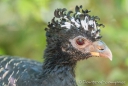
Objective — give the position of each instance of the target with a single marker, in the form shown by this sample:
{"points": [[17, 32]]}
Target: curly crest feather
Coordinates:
{"points": [[79, 20]]}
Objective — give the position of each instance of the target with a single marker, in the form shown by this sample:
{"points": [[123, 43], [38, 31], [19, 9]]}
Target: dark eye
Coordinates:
{"points": [[80, 41]]}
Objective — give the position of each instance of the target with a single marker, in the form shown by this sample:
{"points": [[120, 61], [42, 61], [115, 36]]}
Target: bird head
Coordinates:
{"points": [[77, 34]]}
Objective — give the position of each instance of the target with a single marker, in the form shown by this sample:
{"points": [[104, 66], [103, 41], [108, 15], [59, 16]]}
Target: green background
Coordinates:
{"points": [[22, 24]]}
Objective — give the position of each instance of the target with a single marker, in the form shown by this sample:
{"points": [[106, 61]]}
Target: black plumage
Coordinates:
{"points": [[70, 39]]}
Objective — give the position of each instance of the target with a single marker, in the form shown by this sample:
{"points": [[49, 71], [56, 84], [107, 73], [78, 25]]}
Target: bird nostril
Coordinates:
{"points": [[100, 48]]}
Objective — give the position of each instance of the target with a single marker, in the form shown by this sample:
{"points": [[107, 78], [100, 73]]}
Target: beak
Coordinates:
{"points": [[100, 49]]}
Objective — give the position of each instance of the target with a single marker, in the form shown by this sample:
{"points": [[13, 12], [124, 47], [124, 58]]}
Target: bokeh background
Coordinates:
{"points": [[22, 24]]}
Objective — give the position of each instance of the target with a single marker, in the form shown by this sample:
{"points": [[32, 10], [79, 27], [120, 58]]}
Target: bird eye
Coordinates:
{"points": [[80, 41]]}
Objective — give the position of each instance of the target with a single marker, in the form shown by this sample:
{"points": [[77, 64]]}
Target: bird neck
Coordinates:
{"points": [[60, 73], [58, 67], [57, 61]]}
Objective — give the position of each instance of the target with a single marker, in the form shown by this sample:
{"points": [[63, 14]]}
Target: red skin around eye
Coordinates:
{"points": [[80, 41]]}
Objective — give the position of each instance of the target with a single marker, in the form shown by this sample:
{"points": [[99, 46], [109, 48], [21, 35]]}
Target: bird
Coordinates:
{"points": [[71, 37]]}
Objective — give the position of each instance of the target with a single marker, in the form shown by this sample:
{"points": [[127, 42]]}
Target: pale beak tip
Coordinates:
{"points": [[110, 57]]}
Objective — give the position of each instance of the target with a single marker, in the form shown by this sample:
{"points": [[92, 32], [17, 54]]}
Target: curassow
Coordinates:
{"points": [[70, 38]]}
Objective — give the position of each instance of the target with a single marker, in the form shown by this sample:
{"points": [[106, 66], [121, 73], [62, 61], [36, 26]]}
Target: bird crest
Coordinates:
{"points": [[80, 20]]}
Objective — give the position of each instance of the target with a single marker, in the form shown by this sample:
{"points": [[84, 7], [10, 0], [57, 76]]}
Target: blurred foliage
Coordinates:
{"points": [[22, 24]]}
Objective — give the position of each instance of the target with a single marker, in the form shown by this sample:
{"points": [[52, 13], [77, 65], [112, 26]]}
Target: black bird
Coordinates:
{"points": [[70, 38]]}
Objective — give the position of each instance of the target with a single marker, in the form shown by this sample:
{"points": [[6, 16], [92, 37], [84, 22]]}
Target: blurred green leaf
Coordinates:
{"points": [[2, 52]]}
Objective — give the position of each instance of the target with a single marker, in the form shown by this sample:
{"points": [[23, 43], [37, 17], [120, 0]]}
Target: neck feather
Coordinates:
{"points": [[57, 61]]}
